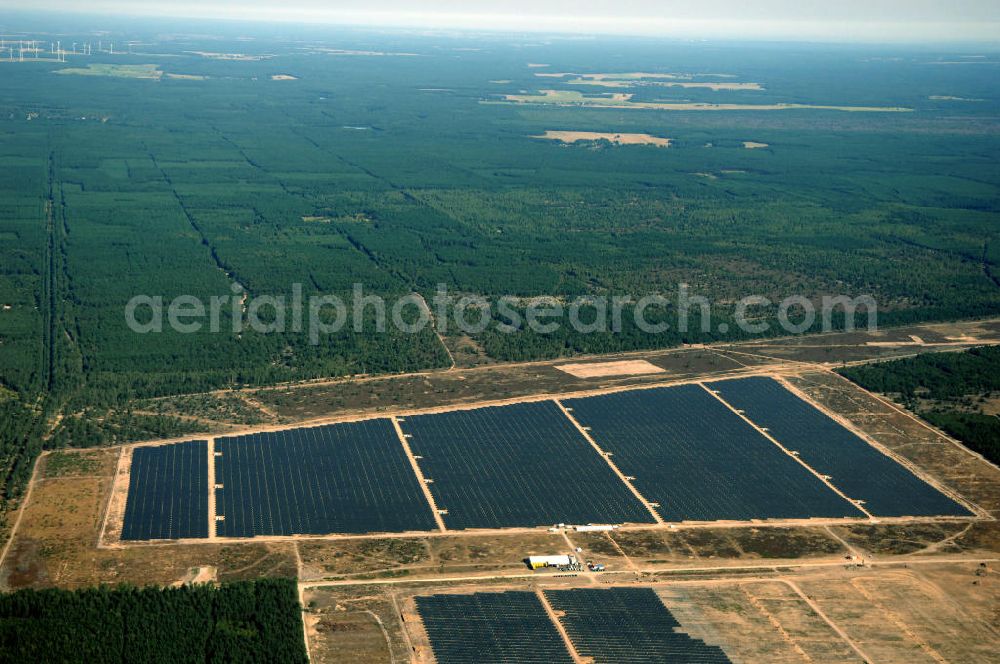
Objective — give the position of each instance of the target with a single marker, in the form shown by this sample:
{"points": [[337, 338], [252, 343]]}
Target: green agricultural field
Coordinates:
{"points": [[381, 165], [119, 71]]}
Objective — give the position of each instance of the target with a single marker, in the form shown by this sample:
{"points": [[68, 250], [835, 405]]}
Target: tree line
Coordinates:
{"points": [[248, 621]]}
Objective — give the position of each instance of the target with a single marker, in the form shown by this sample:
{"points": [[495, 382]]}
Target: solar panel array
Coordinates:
{"points": [[491, 628], [167, 492], [700, 461], [855, 467], [518, 465], [628, 626], [527, 465], [341, 478]]}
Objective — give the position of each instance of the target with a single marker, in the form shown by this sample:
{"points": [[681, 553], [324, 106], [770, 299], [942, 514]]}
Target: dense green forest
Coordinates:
{"points": [[252, 621], [939, 376], [947, 389], [977, 431], [212, 178]]}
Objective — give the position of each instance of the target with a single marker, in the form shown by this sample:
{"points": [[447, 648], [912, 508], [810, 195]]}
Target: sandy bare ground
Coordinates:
{"points": [[114, 512], [240, 57], [714, 86], [628, 76], [950, 98], [617, 139], [918, 341], [940, 610], [203, 574], [692, 85], [375, 54], [603, 369], [570, 98]]}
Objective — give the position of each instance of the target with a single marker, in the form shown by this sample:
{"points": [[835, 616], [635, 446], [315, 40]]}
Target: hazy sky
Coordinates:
{"points": [[827, 20]]}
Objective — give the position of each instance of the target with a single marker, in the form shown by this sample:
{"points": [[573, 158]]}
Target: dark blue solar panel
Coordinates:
{"points": [[700, 461], [627, 626], [341, 478], [519, 465], [859, 470], [167, 492], [491, 628]]}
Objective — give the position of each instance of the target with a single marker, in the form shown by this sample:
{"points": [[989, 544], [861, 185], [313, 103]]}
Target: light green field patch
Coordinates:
{"points": [[11, 161], [203, 164], [573, 98], [357, 218], [634, 82], [151, 72], [115, 168]]}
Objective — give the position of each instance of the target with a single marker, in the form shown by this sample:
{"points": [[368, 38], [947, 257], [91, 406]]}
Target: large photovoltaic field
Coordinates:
{"points": [[687, 450], [700, 461], [488, 628], [342, 478], [627, 625], [519, 465], [854, 466], [168, 492]]}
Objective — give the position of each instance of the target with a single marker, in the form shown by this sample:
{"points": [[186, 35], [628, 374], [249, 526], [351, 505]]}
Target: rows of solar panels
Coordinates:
{"points": [[607, 625], [519, 465], [688, 450], [481, 628], [855, 467], [627, 625], [342, 478], [167, 492]]}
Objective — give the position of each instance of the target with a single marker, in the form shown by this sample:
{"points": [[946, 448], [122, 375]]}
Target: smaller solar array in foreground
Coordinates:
{"points": [[627, 626], [518, 465], [608, 625], [853, 465], [340, 478], [167, 492], [491, 628]]}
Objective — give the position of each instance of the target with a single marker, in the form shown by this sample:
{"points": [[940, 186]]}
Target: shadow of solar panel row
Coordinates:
{"points": [[519, 465], [700, 461], [855, 467], [627, 625], [167, 492], [341, 478], [491, 628]]}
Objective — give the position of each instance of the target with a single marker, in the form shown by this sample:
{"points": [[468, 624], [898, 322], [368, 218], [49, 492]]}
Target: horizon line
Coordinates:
{"points": [[849, 33]]}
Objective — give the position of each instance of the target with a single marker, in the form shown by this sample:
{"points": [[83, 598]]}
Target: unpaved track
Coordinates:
{"points": [[420, 475], [607, 458], [771, 438], [834, 626], [554, 618], [769, 568], [22, 508], [539, 530], [212, 510], [898, 622], [775, 623]]}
